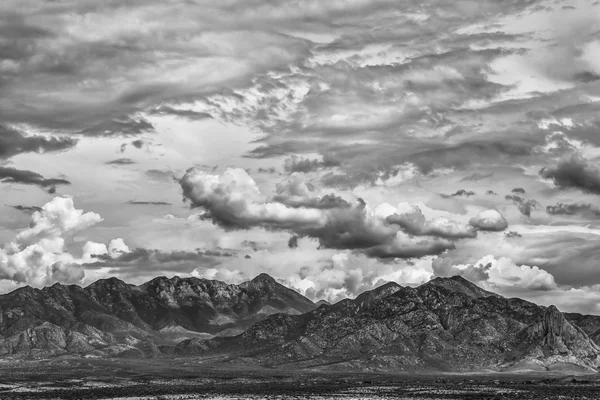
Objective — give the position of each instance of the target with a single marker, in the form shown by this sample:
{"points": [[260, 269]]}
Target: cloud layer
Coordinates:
{"points": [[234, 201]]}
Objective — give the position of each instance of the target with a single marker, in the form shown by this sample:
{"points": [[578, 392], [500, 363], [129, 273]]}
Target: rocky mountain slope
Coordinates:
{"points": [[110, 317], [446, 324]]}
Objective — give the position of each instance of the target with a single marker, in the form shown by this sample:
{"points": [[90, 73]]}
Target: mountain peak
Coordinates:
{"points": [[554, 321], [372, 296], [454, 278], [553, 310], [112, 282], [263, 278], [461, 285]]}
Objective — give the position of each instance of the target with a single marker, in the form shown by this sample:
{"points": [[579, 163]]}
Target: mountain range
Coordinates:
{"points": [[447, 324]]}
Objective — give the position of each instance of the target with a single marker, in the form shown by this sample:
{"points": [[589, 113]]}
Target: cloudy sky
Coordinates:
{"points": [[335, 145]]}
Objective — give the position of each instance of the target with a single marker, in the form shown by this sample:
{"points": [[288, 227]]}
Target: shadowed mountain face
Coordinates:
{"points": [[446, 324], [110, 317]]}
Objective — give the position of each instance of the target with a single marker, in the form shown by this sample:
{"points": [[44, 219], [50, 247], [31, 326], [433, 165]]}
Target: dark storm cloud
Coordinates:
{"points": [[153, 262], [586, 77], [301, 164], [293, 242], [575, 172], [13, 175], [152, 203], [518, 190], [270, 170], [138, 143], [189, 114], [27, 209], [524, 206], [512, 234], [141, 255], [420, 249], [13, 142], [585, 209], [462, 155], [476, 176], [393, 138], [491, 192], [460, 193], [121, 161], [189, 52], [119, 126], [61, 51]]}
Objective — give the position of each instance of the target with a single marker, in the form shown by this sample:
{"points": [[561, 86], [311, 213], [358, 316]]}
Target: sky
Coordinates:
{"points": [[335, 145]]}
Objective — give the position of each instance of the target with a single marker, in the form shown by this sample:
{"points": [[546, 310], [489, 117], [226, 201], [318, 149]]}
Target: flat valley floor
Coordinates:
{"points": [[186, 379]]}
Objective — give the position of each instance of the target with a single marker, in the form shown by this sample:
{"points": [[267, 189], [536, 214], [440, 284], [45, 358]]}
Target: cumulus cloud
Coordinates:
{"points": [[489, 220], [348, 275], [38, 255], [234, 201], [443, 267], [66, 273], [338, 276], [497, 274], [574, 172], [221, 274], [413, 222], [295, 192], [117, 247]]}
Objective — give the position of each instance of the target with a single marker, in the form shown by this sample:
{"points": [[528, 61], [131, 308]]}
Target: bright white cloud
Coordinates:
{"points": [[498, 274], [38, 255], [489, 220]]}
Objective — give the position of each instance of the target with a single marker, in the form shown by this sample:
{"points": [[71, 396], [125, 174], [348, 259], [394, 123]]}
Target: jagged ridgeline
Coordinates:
{"points": [[446, 324]]}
